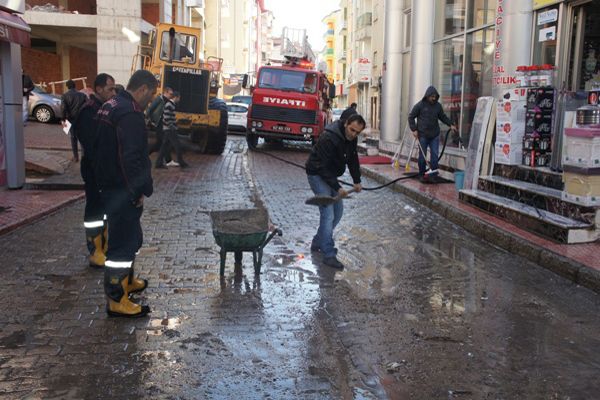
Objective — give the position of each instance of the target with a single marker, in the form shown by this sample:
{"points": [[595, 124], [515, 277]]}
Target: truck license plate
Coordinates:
{"points": [[282, 128]]}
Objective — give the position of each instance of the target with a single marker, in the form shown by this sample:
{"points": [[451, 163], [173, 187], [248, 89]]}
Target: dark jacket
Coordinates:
{"points": [[121, 150], [71, 103], [427, 115], [27, 85], [85, 129], [331, 154]]}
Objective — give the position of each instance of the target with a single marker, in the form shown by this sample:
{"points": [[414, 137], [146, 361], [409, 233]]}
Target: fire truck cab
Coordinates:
{"points": [[290, 101]]}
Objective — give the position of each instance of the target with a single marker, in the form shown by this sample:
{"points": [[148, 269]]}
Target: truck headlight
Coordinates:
{"points": [[303, 129], [259, 124], [309, 130]]}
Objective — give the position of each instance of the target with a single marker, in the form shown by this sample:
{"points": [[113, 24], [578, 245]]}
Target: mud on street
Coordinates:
{"points": [[424, 310]]}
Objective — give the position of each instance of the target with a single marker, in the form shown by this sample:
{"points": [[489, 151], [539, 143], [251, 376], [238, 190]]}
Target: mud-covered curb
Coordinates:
{"points": [[41, 214], [563, 266]]}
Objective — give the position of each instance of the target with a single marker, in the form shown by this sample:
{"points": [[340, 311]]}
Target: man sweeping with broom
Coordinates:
{"points": [[426, 130]]}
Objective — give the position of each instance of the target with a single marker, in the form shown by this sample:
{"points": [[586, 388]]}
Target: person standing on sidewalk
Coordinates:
{"points": [[71, 103], [85, 129], [154, 114], [123, 172], [426, 130], [170, 139], [335, 149]]}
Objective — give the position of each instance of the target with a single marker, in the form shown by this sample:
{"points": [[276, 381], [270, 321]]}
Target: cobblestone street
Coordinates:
{"points": [[424, 310]]}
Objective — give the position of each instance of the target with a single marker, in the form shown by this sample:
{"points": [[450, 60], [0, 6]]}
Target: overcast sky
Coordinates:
{"points": [[304, 14]]}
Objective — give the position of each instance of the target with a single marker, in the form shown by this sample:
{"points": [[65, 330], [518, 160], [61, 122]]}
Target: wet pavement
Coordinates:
{"points": [[424, 310]]}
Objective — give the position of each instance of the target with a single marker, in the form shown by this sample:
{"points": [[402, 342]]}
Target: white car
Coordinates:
{"points": [[336, 113], [237, 116]]}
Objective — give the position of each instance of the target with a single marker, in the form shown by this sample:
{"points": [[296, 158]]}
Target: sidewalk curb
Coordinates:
{"points": [[33, 218], [563, 266]]}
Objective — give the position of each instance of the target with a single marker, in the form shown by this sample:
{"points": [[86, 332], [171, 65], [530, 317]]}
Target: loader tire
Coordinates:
{"points": [[217, 138]]}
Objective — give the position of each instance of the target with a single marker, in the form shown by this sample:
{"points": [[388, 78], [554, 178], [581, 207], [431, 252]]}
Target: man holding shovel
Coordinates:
{"points": [[335, 149], [426, 130]]}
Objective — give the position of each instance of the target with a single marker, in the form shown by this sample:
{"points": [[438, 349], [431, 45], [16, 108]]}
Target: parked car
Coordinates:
{"points": [[238, 114], [44, 107], [336, 113], [242, 99]]}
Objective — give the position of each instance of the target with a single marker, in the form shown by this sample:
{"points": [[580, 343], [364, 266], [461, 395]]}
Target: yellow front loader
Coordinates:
{"points": [[173, 55]]}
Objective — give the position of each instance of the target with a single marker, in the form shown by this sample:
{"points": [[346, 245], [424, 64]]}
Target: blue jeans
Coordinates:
{"points": [[330, 216], [434, 147]]}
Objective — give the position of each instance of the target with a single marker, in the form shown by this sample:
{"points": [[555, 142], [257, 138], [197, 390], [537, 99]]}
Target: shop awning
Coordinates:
{"points": [[14, 29]]}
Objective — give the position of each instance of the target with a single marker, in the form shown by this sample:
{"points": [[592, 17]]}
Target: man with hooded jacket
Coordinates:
{"points": [[426, 129], [335, 149]]}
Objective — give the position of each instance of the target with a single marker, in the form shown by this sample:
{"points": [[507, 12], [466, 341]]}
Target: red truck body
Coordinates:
{"points": [[290, 102]]}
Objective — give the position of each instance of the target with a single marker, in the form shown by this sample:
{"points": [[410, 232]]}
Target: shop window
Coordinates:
{"points": [[481, 12], [584, 60], [449, 17], [447, 76], [478, 62], [545, 36]]}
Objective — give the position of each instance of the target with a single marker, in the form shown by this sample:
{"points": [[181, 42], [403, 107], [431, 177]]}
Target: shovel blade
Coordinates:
{"points": [[320, 200]]}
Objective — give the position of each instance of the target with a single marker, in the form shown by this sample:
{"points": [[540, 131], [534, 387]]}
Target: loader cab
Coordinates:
{"points": [[179, 47]]}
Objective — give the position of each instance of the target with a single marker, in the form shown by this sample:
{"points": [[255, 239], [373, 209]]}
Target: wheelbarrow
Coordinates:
{"points": [[238, 231]]}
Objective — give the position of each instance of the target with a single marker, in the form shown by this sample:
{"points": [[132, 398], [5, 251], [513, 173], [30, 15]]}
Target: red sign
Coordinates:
{"points": [[14, 29]]}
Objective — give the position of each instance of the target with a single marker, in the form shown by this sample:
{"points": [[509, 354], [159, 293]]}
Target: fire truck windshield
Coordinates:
{"points": [[286, 80]]}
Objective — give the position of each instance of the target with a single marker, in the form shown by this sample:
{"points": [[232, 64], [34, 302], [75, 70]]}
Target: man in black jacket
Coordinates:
{"points": [[426, 129], [123, 173], [71, 103], [85, 129], [335, 149]]}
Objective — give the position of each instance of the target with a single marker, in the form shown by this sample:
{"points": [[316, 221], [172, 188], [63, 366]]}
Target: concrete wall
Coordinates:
{"points": [[115, 50]]}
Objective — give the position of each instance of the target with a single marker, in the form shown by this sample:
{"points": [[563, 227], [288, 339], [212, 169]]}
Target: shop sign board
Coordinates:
{"points": [[545, 17], [544, 3], [363, 69], [501, 76]]}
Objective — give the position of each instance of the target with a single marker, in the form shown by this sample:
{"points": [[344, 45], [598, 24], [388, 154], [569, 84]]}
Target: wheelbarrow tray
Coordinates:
{"points": [[241, 230]]}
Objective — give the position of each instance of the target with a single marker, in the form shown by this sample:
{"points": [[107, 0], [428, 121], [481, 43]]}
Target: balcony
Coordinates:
{"points": [[364, 20], [363, 33], [342, 56], [343, 27]]}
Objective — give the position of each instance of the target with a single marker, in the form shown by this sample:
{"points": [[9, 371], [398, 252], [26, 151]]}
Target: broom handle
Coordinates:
{"points": [[339, 196]]}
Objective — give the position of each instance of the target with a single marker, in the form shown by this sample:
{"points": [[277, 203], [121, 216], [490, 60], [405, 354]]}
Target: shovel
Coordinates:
{"points": [[321, 200]]}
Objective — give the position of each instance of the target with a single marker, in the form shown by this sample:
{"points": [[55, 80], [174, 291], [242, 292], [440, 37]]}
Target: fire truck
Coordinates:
{"points": [[173, 55], [291, 101]]}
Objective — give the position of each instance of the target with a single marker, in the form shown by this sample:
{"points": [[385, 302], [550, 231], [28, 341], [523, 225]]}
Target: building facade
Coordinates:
{"points": [[471, 48]]}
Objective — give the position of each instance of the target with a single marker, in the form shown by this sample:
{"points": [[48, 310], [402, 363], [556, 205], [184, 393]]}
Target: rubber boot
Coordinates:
{"points": [[135, 285], [97, 256], [117, 296]]}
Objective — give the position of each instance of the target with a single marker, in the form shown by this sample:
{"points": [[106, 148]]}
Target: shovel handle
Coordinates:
{"points": [[339, 196]]}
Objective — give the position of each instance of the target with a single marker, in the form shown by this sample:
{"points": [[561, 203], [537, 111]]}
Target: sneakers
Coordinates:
{"points": [[333, 262], [172, 164]]}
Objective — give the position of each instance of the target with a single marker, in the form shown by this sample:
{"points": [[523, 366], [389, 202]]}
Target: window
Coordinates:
{"points": [[449, 18], [478, 63], [463, 59], [544, 39], [481, 12], [447, 75], [293, 81], [184, 47]]}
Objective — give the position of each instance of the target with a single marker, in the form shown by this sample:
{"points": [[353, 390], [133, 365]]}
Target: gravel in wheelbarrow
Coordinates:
{"points": [[242, 230]]}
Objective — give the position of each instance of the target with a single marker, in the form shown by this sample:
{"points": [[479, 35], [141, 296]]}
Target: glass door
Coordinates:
{"points": [[584, 52]]}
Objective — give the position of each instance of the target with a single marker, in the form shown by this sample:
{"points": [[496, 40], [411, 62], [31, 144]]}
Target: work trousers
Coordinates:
{"points": [[329, 216], [433, 144], [94, 215]]}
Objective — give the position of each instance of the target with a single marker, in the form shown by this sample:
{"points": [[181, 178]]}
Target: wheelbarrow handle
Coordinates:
{"points": [[276, 231]]}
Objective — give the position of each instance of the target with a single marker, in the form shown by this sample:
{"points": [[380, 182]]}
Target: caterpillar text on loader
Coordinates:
{"points": [[173, 55]]}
